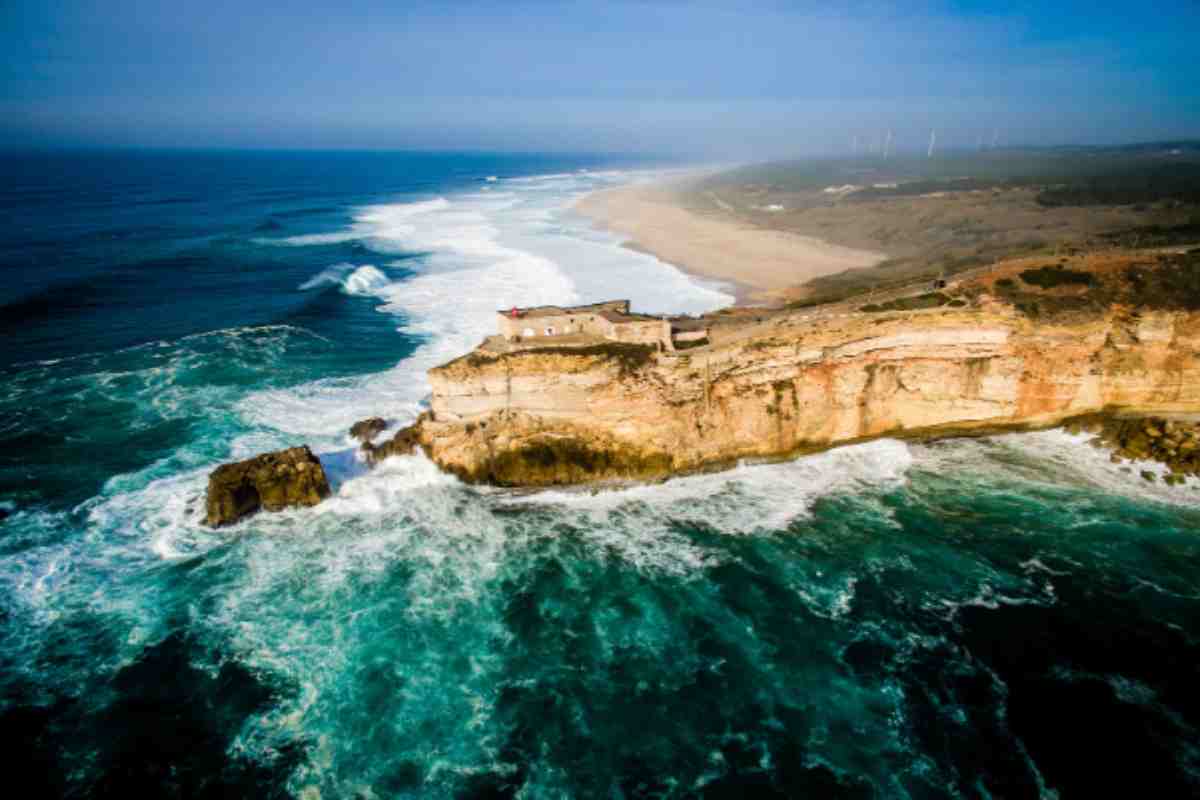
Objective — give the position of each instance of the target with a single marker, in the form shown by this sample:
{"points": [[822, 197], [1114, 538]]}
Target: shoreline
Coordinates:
{"points": [[769, 385], [759, 264]]}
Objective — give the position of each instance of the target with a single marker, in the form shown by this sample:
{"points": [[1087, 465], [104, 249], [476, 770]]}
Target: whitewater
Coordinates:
{"points": [[885, 619]]}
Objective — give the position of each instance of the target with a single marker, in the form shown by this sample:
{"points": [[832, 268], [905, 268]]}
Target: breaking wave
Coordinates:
{"points": [[364, 280]]}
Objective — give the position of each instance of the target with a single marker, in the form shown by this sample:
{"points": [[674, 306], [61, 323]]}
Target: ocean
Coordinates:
{"points": [[1003, 617]]}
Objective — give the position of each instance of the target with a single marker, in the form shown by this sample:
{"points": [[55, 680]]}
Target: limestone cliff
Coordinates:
{"points": [[1012, 349]]}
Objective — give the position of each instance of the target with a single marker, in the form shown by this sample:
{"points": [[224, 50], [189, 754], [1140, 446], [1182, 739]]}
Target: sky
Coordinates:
{"points": [[724, 80]]}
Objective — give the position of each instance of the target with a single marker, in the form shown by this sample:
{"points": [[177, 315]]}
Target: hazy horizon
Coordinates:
{"points": [[664, 78]]}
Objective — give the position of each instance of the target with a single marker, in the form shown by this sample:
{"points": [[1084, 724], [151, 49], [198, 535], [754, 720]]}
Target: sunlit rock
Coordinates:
{"points": [[270, 482]]}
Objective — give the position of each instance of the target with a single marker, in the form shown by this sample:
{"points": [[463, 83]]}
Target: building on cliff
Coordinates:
{"points": [[611, 320]]}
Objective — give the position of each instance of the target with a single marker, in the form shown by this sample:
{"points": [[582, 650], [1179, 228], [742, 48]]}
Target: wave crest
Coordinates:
{"points": [[367, 224], [364, 280]]}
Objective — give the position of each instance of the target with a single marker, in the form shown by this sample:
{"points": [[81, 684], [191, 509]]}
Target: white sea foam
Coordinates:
{"points": [[419, 551], [749, 498], [366, 224], [482, 252], [640, 524], [310, 239], [364, 280], [519, 246], [1057, 457]]}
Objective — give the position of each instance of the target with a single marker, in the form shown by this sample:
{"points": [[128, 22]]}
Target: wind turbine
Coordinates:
{"points": [[856, 144], [995, 135], [887, 143], [932, 140]]}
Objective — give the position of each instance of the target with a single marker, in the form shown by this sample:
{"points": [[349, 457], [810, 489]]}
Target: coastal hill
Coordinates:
{"points": [[820, 230]]}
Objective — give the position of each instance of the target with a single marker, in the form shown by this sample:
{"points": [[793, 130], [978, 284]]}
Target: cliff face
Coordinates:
{"points": [[807, 381]]}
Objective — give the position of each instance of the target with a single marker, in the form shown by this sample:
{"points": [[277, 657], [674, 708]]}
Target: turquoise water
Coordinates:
{"points": [[1009, 617]]}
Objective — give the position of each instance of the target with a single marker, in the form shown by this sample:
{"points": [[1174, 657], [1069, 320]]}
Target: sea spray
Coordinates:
{"points": [[361, 280]]}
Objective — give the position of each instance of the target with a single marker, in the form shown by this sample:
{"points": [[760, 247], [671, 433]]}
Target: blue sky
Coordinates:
{"points": [[706, 79]]}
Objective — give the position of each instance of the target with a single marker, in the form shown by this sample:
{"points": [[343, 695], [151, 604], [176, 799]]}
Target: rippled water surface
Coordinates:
{"points": [[1006, 617]]}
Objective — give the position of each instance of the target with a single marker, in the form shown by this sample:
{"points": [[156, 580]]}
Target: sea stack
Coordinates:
{"points": [[271, 481]]}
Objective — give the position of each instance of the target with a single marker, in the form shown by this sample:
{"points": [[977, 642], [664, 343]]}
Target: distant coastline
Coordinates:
{"points": [[761, 264]]}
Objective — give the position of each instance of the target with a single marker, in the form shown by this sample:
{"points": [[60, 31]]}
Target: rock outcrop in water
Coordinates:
{"points": [[1023, 346], [403, 443], [271, 482], [1171, 442], [366, 430]]}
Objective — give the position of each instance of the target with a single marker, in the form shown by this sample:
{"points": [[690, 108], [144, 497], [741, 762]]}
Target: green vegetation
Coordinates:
{"points": [[1172, 284], [1050, 277], [1132, 184], [476, 359], [630, 357], [961, 210], [920, 187], [1156, 235]]}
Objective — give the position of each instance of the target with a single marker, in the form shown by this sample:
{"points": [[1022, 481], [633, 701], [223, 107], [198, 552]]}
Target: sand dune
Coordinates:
{"points": [[759, 262]]}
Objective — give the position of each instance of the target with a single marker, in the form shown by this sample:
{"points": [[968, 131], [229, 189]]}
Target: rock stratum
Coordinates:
{"points": [[1025, 345]]}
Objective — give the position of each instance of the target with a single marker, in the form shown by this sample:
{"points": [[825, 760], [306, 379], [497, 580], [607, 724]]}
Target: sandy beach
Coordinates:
{"points": [[760, 263]]}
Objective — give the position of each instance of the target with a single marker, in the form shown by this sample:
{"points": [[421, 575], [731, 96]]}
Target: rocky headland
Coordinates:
{"points": [[1027, 344], [1022, 345]]}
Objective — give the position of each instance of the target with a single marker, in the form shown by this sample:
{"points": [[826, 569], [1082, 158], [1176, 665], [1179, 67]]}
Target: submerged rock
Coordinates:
{"points": [[271, 481], [366, 430]]}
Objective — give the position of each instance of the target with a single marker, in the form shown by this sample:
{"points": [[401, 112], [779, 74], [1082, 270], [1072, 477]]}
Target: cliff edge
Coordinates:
{"points": [[1021, 345]]}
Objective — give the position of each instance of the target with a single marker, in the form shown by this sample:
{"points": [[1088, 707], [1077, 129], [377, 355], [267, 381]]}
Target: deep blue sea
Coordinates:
{"points": [[1011, 617]]}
